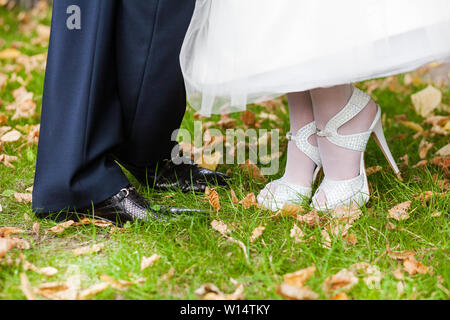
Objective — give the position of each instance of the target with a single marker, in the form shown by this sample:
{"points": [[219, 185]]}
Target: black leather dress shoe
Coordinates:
{"points": [[127, 205], [187, 176]]}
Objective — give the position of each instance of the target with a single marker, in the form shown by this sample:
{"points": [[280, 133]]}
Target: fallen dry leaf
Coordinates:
{"points": [[252, 170], [400, 211], [257, 233], [412, 266], [234, 198], [89, 249], [424, 147], [7, 231], [23, 197], [9, 53], [290, 210], [149, 261], [444, 151], [92, 291], [427, 100], [372, 170], [326, 239], [36, 228], [344, 280], [248, 118], [6, 160], [443, 162], [59, 228], [398, 274], [11, 136], [210, 162], [346, 214], [26, 288], [340, 296], [116, 284], [412, 125], [311, 218], [221, 227], [399, 255], [299, 278], [209, 291], [214, 200], [249, 201], [291, 292], [6, 244], [297, 233]]}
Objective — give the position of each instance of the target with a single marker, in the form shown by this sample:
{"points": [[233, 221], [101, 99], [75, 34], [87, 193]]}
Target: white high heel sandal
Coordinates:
{"points": [[356, 190], [286, 192]]}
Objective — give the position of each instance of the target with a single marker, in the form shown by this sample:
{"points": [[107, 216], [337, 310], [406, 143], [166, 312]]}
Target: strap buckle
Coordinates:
{"points": [[289, 136], [323, 133]]}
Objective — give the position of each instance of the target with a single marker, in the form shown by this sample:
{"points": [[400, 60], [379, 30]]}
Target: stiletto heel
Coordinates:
{"points": [[380, 139], [356, 190], [287, 192]]}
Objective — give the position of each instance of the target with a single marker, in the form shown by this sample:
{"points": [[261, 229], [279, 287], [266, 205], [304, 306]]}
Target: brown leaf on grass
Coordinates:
{"points": [[234, 198], [209, 291], [344, 280], [221, 227], [92, 291], [311, 219], [444, 151], [59, 228], [23, 197], [346, 214], [426, 100], [412, 266], [248, 118], [257, 233], [424, 147], [400, 211], [9, 53], [210, 162], [252, 170], [48, 271], [436, 214], [149, 261], [326, 239], [89, 249], [214, 200], [226, 122], [405, 160], [340, 296], [299, 278], [36, 228], [6, 244], [399, 255], [116, 284], [5, 232], [351, 239], [6, 160], [443, 162], [290, 210], [11, 136], [95, 222], [291, 292], [24, 106], [297, 233], [249, 201], [372, 170], [412, 125], [420, 164], [26, 288], [398, 274]]}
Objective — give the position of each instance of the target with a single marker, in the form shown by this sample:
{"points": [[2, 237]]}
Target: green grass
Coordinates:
{"points": [[200, 255]]}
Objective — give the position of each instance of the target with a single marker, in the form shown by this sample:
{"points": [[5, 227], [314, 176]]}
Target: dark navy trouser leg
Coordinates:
{"points": [[113, 86]]}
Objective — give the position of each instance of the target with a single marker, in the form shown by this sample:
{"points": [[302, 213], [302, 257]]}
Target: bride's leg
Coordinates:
{"points": [[299, 167], [339, 163]]}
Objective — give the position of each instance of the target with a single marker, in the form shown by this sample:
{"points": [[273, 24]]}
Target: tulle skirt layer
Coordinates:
{"points": [[243, 51]]}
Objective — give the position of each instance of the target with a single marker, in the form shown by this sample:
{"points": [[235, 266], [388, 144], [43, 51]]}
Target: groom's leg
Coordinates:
{"points": [[81, 113], [151, 87]]}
